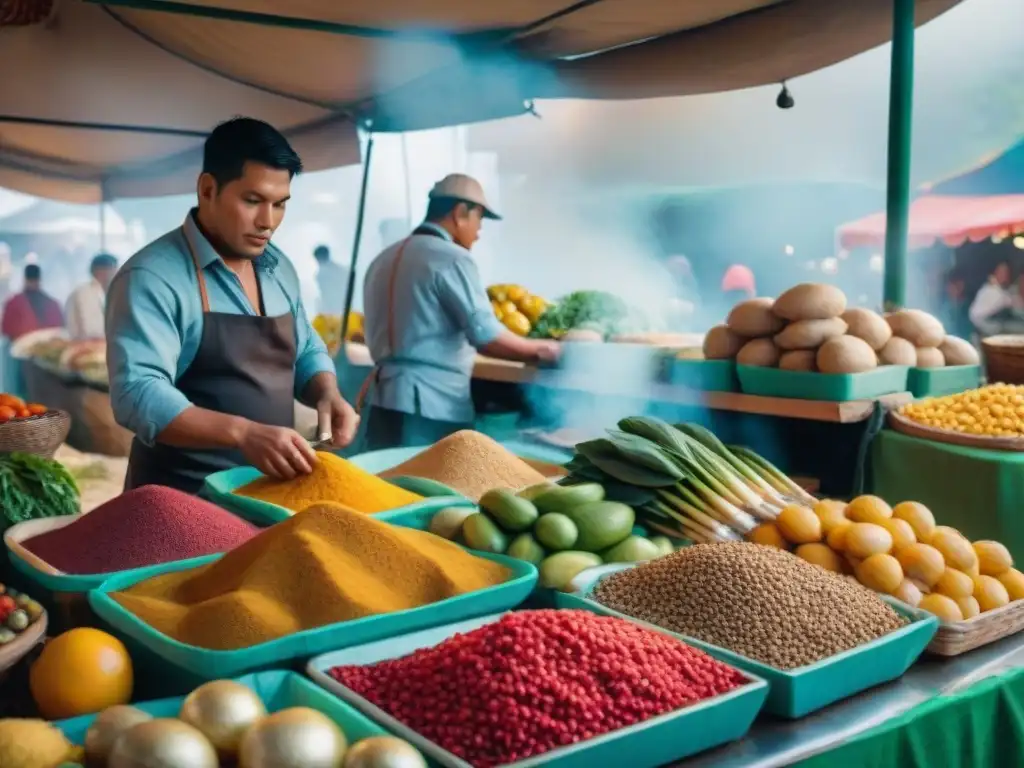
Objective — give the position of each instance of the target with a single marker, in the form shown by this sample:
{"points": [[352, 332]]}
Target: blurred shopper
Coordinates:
{"points": [[685, 303], [332, 280], [426, 315], [208, 342], [955, 307], [31, 310], [87, 303], [993, 304], [737, 285]]}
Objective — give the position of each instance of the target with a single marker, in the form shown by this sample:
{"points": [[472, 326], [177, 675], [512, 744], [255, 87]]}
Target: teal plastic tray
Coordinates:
{"points": [[835, 387], [703, 375], [278, 689], [795, 693], [935, 382], [658, 741], [214, 664], [221, 487]]}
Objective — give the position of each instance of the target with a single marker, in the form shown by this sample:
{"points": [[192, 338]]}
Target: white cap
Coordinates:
{"points": [[458, 186]]}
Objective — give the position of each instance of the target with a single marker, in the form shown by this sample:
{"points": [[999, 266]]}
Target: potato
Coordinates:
{"points": [[753, 318], [898, 351], [798, 360], [846, 354], [917, 327], [957, 351], [760, 352], [721, 344], [867, 325], [810, 301], [809, 334], [930, 357]]}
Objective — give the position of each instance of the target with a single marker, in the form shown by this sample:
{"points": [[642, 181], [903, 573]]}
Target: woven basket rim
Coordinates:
{"points": [[53, 413]]}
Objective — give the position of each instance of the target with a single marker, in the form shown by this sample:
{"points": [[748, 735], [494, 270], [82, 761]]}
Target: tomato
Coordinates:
{"points": [[11, 401], [37, 409], [7, 604], [7, 413], [22, 413]]}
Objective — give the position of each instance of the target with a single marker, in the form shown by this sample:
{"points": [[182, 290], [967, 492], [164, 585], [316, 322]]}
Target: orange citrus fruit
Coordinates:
{"points": [[80, 672]]}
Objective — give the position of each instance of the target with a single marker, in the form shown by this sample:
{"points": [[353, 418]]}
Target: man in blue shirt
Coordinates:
{"points": [[208, 343], [426, 316]]}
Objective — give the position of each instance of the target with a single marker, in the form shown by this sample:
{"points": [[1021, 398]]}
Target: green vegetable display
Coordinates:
{"points": [[584, 310], [32, 487]]}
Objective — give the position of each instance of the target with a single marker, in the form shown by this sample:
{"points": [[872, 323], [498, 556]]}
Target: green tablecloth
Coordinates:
{"points": [[979, 727], [979, 492]]}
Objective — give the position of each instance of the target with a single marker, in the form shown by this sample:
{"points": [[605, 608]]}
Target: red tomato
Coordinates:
{"points": [[7, 413], [37, 409], [23, 413], [7, 604]]}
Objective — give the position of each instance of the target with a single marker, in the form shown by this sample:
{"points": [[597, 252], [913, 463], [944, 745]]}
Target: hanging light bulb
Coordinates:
{"points": [[876, 263], [789, 250], [1018, 242], [830, 265], [785, 99]]}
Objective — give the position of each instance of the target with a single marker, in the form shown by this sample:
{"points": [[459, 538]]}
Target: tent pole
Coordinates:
{"points": [[360, 216], [897, 206]]}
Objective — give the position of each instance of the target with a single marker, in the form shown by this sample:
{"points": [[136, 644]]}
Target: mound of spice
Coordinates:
{"points": [[761, 602], [534, 681], [327, 565], [145, 526], [470, 463], [332, 480]]}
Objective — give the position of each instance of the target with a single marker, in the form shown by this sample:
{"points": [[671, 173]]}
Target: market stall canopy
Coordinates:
{"points": [[997, 174], [48, 217], [108, 100], [952, 220]]}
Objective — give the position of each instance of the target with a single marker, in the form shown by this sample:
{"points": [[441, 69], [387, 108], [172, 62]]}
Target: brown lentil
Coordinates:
{"points": [[761, 602], [470, 463]]}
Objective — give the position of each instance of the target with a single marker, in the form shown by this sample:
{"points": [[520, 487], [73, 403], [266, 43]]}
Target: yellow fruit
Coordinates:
{"points": [[955, 549], [902, 533], [498, 311], [536, 309], [799, 524], [515, 293], [837, 536], [954, 583], [943, 607], [819, 554], [498, 293], [922, 562], [508, 307], [881, 573], [908, 592], [924, 588], [968, 607], [831, 514], [993, 558], [866, 539], [868, 509], [919, 517], [990, 593], [768, 535], [81, 672], [1013, 580], [516, 323]]}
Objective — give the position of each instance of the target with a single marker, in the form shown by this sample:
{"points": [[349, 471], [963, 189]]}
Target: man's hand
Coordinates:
{"points": [[548, 351], [337, 420], [278, 452]]}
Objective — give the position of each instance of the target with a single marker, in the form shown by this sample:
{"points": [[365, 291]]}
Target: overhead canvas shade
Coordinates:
{"points": [[951, 220], [1001, 173], [182, 66]]}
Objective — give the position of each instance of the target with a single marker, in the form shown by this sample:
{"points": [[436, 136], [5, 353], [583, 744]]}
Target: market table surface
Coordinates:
{"points": [[977, 491], [772, 742]]}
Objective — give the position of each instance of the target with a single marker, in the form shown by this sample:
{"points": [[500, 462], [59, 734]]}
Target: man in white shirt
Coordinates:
{"points": [[332, 280], [991, 302], [85, 308]]}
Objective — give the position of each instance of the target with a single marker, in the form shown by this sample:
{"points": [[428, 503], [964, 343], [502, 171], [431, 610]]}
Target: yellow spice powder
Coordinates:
{"points": [[327, 565], [332, 480]]}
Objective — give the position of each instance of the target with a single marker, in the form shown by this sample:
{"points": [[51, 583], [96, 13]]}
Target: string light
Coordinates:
{"points": [[830, 265], [789, 250], [876, 263], [1018, 241]]}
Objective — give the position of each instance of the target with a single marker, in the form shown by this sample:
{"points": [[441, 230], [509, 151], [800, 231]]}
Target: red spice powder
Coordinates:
{"points": [[534, 681], [145, 526]]}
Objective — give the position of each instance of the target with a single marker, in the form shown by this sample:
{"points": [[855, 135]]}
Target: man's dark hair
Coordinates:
{"points": [[322, 253], [103, 261], [240, 140], [33, 272], [440, 207]]}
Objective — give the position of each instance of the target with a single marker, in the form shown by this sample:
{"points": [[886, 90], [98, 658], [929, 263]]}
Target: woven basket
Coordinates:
{"points": [[1004, 358], [956, 637], [41, 435]]}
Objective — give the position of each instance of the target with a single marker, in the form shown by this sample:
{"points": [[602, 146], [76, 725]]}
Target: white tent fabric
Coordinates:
{"points": [[107, 100]]}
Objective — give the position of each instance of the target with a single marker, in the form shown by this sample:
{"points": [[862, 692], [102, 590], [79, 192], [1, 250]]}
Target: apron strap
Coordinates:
{"points": [[204, 297]]}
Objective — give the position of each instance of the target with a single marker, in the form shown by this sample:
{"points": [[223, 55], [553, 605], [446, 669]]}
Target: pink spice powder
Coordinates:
{"points": [[144, 526]]}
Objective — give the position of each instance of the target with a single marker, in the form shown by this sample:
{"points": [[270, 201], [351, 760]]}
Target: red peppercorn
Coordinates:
{"points": [[537, 680]]}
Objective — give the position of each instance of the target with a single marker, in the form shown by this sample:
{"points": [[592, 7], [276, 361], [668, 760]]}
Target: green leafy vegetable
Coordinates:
{"points": [[32, 487], [584, 310]]}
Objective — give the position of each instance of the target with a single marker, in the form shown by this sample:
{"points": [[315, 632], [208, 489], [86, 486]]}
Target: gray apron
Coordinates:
{"points": [[245, 366]]}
